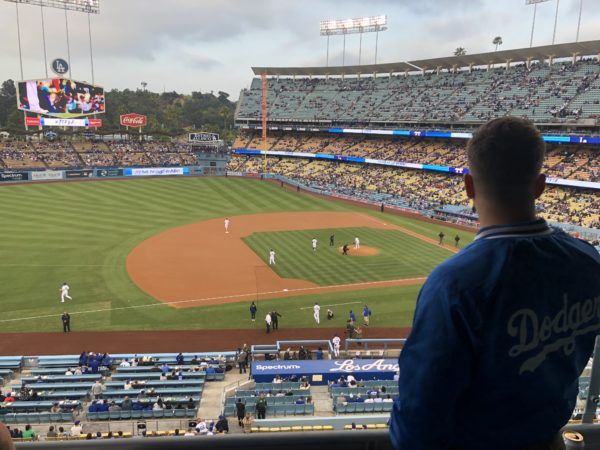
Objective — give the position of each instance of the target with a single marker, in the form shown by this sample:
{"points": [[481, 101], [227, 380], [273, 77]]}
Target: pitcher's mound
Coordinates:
{"points": [[364, 250]]}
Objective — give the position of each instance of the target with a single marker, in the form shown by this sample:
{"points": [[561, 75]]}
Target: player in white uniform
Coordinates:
{"points": [[356, 242], [271, 257], [317, 313], [314, 244], [336, 346], [64, 292], [226, 224]]}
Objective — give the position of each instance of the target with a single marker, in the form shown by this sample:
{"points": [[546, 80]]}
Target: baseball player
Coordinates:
{"points": [[317, 313], [226, 224], [64, 292], [356, 242], [314, 244], [271, 257], [336, 345]]}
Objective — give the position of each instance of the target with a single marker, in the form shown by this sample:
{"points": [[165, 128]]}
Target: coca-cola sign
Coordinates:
{"points": [[134, 120]]}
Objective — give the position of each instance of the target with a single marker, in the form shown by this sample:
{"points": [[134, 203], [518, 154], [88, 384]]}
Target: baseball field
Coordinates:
{"points": [[152, 254]]}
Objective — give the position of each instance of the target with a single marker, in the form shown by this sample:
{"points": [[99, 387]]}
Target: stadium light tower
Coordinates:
{"points": [[85, 6], [534, 3], [373, 24]]}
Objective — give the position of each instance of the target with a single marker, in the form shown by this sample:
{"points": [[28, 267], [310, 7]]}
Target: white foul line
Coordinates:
{"points": [[209, 299]]}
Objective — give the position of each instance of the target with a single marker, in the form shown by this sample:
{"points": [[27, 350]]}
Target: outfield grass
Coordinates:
{"points": [[82, 232], [400, 256]]}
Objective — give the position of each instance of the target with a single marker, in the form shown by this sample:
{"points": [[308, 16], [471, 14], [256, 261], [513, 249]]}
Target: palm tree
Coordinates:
{"points": [[144, 84], [497, 41], [460, 51]]}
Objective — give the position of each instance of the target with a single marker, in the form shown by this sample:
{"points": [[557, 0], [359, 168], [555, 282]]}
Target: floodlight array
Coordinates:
{"points": [[86, 6], [533, 2], [349, 26]]}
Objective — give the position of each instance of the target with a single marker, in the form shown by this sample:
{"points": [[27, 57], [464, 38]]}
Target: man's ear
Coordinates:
{"points": [[540, 185], [469, 186]]}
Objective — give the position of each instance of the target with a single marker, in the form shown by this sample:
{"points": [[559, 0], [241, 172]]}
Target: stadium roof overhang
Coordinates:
{"points": [[588, 48]]}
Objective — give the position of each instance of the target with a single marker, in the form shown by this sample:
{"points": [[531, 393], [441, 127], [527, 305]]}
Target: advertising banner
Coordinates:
{"points": [[109, 173], [13, 176], [156, 171], [328, 369], [85, 173], [203, 137], [32, 121], [133, 120], [47, 175]]}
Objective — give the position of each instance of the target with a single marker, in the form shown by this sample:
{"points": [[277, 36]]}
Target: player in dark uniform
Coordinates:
{"points": [[441, 236], [332, 240], [456, 240], [345, 249]]}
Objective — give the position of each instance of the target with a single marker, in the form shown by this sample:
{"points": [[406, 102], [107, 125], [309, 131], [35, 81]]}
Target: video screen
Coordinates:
{"points": [[60, 97]]}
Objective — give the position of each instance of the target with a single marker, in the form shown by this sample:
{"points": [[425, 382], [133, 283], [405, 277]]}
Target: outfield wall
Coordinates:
{"points": [[20, 176]]}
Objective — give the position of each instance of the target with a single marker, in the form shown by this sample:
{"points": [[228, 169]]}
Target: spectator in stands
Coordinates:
{"points": [[29, 433], [189, 432], [103, 406], [76, 429], [222, 425], [201, 427], [98, 435], [114, 407], [179, 359], [247, 423], [68, 372], [240, 410], [492, 320], [51, 433], [319, 353], [62, 433], [165, 368], [125, 363], [55, 408], [242, 356], [97, 389], [10, 397], [158, 405], [287, 354], [93, 407], [261, 407], [126, 404]]}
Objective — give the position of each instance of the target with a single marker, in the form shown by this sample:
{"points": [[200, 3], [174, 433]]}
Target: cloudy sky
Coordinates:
{"points": [[210, 45]]}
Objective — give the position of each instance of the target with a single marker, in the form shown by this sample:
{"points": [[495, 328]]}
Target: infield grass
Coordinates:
{"points": [[400, 256], [82, 232]]}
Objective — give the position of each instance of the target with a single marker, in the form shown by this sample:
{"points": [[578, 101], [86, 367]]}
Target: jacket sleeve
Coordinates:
{"points": [[435, 369]]}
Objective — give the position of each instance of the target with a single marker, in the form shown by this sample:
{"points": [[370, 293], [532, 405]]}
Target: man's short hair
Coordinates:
{"points": [[505, 158]]}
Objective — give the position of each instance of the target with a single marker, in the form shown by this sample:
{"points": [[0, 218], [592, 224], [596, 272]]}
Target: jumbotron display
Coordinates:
{"points": [[60, 97]]}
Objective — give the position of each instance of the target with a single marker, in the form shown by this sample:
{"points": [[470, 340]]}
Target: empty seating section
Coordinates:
{"points": [[88, 154], [57, 390], [541, 92]]}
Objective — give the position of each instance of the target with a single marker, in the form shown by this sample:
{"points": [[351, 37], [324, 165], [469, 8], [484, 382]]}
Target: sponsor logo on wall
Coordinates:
{"points": [[133, 120], [156, 171], [13, 176], [47, 175], [109, 172], [86, 173]]}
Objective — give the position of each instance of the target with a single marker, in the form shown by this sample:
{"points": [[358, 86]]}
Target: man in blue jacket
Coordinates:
{"points": [[502, 330]]}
